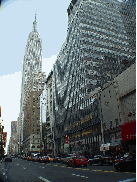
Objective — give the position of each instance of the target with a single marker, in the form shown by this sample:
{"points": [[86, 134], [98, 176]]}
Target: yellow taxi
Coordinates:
{"points": [[50, 158]]}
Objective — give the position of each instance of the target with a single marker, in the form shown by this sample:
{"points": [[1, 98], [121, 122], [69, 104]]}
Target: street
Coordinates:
{"points": [[22, 170]]}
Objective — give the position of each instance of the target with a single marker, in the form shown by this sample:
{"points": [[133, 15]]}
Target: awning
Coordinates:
{"points": [[128, 131]]}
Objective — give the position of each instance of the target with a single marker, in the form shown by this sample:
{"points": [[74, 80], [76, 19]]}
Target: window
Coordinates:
{"points": [[110, 124], [116, 121]]}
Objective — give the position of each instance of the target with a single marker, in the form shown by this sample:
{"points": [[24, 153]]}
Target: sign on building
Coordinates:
{"points": [[104, 147]]}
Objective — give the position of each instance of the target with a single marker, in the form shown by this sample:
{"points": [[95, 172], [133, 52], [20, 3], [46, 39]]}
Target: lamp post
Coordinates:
{"points": [[18, 148]]}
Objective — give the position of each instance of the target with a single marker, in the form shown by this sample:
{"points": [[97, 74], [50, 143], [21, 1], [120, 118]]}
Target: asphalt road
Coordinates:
{"points": [[27, 171]]}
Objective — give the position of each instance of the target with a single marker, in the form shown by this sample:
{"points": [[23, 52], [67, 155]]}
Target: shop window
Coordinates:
{"points": [[110, 124], [97, 138], [94, 138], [117, 123]]}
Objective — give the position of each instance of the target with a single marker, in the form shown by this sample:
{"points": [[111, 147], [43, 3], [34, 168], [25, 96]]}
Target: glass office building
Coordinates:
{"points": [[97, 49]]}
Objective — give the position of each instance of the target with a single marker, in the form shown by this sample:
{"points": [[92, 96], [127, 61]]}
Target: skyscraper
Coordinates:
{"points": [[32, 86], [95, 51]]}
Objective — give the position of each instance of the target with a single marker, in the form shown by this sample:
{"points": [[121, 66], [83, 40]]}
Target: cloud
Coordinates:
{"points": [[47, 64]]}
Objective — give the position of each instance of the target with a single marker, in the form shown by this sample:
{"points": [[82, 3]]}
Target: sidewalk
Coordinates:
{"points": [[3, 171]]}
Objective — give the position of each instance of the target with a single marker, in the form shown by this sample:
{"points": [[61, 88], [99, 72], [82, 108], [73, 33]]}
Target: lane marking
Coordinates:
{"points": [[43, 179], [94, 170], [79, 175]]}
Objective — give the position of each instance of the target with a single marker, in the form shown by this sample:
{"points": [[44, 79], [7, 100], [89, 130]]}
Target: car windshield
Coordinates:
{"points": [[79, 157], [97, 156], [125, 155]]}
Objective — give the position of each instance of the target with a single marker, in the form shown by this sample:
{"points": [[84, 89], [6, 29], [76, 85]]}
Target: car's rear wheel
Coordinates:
{"points": [[118, 169], [73, 165]]}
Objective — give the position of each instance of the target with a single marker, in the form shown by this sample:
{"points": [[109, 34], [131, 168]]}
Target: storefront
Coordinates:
{"points": [[129, 136]]}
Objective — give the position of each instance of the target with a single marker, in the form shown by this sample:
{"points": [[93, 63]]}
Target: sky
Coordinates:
{"points": [[16, 21]]}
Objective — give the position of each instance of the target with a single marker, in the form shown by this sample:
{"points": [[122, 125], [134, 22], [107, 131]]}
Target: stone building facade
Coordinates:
{"points": [[14, 138], [117, 101]]}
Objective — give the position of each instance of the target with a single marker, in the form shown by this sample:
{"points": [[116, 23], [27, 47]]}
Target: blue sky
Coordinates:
{"points": [[16, 20]]}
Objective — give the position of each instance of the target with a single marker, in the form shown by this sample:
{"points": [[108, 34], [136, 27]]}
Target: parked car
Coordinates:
{"points": [[8, 158], [40, 159], [118, 160], [29, 158], [35, 158], [22, 156], [45, 159], [66, 158], [25, 157], [122, 158], [78, 160], [101, 160], [128, 164], [56, 159], [50, 158], [13, 157], [19, 156]]}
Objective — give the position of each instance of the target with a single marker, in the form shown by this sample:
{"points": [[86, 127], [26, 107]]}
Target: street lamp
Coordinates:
{"points": [[18, 148]]}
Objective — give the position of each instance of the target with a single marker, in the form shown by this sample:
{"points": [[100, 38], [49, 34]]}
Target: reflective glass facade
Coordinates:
{"points": [[97, 49]]}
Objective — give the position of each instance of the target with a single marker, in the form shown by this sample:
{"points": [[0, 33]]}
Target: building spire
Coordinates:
{"points": [[35, 24]]}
